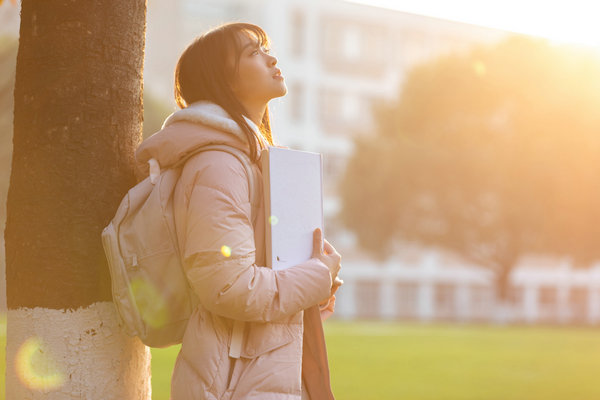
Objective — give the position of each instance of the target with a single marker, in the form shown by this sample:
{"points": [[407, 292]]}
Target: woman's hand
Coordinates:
{"points": [[328, 306], [327, 254]]}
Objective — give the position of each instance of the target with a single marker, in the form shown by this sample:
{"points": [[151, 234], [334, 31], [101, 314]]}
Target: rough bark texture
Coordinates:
{"points": [[77, 121]]}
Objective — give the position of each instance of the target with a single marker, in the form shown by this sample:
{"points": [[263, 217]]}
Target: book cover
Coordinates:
{"points": [[293, 186]]}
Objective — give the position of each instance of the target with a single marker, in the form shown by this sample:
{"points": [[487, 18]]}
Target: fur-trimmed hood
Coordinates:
{"points": [[185, 130]]}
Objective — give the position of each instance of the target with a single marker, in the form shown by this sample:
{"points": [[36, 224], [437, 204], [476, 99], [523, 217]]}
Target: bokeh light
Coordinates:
{"points": [[226, 251], [150, 302], [479, 68], [36, 367], [273, 220]]}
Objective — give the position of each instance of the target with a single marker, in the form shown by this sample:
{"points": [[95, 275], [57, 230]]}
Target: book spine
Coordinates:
{"points": [[266, 174], [322, 190]]}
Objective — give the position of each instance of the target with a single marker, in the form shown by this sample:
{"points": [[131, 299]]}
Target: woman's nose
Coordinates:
{"points": [[272, 60]]}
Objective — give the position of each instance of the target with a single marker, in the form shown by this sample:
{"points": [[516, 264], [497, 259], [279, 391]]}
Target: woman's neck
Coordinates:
{"points": [[255, 112]]}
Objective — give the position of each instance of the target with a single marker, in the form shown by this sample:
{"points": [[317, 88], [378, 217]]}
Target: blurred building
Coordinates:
{"points": [[433, 286], [9, 18], [338, 60]]}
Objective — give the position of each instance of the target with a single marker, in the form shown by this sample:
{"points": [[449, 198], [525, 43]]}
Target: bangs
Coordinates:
{"points": [[230, 42], [254, 31]]}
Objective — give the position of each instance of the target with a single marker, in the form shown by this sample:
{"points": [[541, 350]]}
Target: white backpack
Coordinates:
{"points": [[150, 290]]}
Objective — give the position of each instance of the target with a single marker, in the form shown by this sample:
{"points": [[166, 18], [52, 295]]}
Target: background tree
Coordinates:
{"points": [[156, 110], [492, 154], [8, 57], [77, 122]]}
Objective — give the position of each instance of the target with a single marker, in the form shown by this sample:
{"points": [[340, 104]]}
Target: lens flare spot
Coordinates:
{"points": [[36, 368], [479, 68], [273, 220], [226, 251], [151, 305]]}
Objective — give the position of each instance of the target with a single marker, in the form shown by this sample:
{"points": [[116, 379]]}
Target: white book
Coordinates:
{"points": [[293, 189]]}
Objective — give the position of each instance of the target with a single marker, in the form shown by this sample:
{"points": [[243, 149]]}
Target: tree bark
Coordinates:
{"points": [[77, 122]]}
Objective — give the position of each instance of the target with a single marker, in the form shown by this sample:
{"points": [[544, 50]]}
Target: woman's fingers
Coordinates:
{"points": [[331, 252], [324, 251], [327, 247], [317, 243], [337, 282]]}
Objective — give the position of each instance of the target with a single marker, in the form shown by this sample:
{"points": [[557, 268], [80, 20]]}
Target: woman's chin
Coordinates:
{"points": [[282, 91]]}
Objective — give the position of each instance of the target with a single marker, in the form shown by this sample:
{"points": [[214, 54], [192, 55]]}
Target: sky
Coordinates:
{"points": [[573, 21]]}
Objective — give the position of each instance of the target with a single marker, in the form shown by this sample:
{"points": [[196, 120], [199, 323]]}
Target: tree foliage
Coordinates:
{"points": [[491, 154]]}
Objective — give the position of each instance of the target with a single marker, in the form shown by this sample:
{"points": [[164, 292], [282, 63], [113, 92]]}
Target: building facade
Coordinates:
{"points": [[339, 59], [432, 287]]}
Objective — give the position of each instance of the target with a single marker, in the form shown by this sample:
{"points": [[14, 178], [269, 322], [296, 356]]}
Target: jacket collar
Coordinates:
{"points": [[200, 124]]}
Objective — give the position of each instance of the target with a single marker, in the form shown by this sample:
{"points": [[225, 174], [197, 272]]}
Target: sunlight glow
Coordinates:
{"points": [[479, 68], [574, 21], [151, 304]]}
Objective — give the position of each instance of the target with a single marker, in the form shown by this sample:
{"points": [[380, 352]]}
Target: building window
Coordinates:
{"points": [[329, 109], [296, 103], [481, 301], [298, 29], [333, 170], [578, 304], [444, 300], [350, 107], [343, 112], [351, 46], [351, 43], [516, 296], [548, 303], [368, 302], [407, 299]]}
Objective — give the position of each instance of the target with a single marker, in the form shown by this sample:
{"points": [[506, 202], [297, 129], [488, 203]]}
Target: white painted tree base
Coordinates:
{"points": [[82, 354]]}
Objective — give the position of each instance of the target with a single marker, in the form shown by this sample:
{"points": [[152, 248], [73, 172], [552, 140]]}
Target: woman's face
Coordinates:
{"points": [[258, 79]]}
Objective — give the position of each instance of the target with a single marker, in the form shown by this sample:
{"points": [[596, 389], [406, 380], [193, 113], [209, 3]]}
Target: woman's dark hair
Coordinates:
{"points": [[205, 72]]}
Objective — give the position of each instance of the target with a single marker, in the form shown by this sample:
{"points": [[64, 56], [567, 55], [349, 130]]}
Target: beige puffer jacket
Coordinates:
{"points": [[212, 209]]}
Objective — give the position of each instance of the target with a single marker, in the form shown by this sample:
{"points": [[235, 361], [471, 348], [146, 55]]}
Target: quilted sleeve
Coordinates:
{"points": [[219, 250]]}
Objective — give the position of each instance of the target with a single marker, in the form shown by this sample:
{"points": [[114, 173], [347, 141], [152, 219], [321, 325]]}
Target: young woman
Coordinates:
{"points": [[223, 83]]}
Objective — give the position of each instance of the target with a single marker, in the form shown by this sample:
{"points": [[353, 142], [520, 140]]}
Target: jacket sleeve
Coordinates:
{"points": [[219, 250]]}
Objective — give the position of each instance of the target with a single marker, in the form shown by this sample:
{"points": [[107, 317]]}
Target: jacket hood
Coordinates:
{"points": [[185, 130]]}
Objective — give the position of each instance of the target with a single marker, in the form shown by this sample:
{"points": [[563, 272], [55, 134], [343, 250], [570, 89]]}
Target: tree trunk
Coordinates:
{"points": [[77, 122]]}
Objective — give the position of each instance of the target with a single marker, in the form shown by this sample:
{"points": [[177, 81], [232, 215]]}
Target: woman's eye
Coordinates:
{"points": [[258, 50]]}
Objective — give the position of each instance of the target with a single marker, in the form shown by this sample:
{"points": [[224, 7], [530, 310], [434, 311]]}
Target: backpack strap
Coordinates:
{"points": [[240, 155]]}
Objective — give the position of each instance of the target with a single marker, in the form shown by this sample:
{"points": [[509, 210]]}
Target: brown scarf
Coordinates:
{"points": [[315, 368]]}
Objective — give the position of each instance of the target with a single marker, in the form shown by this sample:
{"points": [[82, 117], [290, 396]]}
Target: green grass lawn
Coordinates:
{"points": [[377, 360], [413, 361]]}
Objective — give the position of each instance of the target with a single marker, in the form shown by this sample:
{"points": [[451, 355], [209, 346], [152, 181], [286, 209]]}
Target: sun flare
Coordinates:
{"points": [[573, 22]]}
